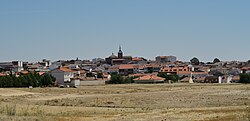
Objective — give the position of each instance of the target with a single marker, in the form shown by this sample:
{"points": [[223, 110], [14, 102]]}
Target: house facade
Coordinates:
{"points": [[63, 75]]}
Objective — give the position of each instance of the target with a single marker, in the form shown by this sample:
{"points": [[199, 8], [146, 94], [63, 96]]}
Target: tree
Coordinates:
{"points": [[172, 77], [32, 79], [248, 62], [216, 60], [244, 78], [195, 61], [116, 79]]}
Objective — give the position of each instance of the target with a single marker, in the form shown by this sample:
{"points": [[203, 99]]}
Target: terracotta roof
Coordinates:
{"points": [[245, 68], [126, 66], [1, 74], [150, 77], [41, 73], [184, 72], [24, 72], [65, 69], [115, 67], [137, 59]]}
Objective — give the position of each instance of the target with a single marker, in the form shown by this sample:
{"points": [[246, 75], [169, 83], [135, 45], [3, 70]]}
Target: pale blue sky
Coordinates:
{"points": [[65, 29]]}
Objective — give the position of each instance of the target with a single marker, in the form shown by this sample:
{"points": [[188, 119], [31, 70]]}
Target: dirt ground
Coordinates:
{"points": [[130, 102]]}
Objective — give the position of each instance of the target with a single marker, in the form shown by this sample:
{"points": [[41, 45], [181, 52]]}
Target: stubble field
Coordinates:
{"points": [[130, 102]]}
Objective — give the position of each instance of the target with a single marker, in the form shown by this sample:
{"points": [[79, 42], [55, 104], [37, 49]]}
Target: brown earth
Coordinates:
{"points": [[130, 102]]}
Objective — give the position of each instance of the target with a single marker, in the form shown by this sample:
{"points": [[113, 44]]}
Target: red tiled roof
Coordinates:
{"points": [[150, 77], [41, 73], [65, 69], [114, 67], [1, 74], [126, 66], [137, 59], [245, 68]]}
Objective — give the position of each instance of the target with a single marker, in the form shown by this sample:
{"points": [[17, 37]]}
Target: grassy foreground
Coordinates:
{"points": [[139, 102]]}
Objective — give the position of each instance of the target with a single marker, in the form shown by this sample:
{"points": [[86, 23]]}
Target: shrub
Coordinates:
{"points": [[244, 78]]}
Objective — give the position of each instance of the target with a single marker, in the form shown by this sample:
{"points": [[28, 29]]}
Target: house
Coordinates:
{"points": [[113, 69], [15, 66], [183, 71], [126, 69], [138, 60], [152, 67], [245, 69], [65, 76], [149, 79], [179, 70]]}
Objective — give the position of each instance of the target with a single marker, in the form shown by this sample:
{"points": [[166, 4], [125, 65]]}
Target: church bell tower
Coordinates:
{"points": [[120, 53]]}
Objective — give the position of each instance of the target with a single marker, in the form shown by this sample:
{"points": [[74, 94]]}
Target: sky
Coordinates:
{"points": [[31, 30]]}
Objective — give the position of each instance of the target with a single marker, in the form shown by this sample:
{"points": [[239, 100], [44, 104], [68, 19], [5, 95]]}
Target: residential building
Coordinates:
{"points": [[64, 76], [15, 66]]}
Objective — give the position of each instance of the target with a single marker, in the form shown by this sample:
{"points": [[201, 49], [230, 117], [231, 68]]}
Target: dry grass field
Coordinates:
{"points": [[130, 102]]}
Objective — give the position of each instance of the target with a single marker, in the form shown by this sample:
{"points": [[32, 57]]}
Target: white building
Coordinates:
{"points": [[64, 76]]}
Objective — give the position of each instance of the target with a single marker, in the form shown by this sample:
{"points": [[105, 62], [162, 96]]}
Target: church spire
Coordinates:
{"points": [[120, 48], [120, 53]]}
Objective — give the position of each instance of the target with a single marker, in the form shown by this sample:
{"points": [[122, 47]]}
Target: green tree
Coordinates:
{"points": [[195, 61], [116, 79], [172, 77], [128, 80], [244, 78], [248, 62], [216, 60], [46, 80]]}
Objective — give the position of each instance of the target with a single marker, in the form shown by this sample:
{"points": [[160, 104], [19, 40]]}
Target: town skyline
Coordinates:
{"points": [[120, 49], [33, 30]]}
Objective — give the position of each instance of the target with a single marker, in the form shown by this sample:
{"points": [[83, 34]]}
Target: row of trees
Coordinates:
{"points": [[196, 61], [31, 79]]}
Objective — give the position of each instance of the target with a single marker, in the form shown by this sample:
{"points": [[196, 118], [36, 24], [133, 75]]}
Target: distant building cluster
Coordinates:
{"points": [[98, 71]]}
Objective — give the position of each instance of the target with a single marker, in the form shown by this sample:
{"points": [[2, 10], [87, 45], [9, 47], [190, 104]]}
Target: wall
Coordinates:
{"points": [[92, 82]]}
